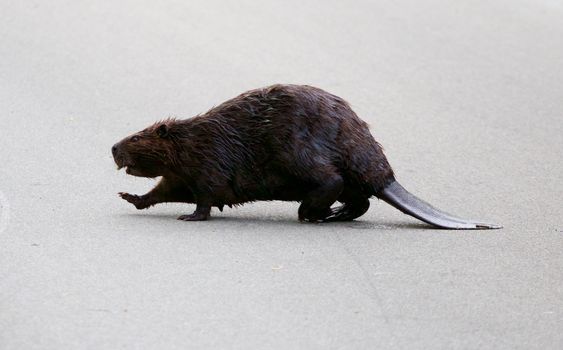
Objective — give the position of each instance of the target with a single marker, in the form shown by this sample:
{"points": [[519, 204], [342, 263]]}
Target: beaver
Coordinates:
{"points": [[282, 142]]}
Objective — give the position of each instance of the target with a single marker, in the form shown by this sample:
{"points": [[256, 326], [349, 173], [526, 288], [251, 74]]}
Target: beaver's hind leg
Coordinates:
{"points": [[315, 206], [349, 211], [355, 204]]}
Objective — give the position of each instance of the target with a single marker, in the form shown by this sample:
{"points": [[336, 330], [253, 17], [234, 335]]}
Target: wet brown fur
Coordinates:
{"points": [[283, 142]]}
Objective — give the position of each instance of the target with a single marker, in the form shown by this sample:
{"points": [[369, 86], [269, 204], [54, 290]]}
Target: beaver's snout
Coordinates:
{"points": [[120, 157], [117, 156]]}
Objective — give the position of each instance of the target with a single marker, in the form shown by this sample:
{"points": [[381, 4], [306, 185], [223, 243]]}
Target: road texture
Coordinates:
{"points": [[466, 97]]}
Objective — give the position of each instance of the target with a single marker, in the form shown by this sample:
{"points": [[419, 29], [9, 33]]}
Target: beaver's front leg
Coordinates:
{"points": [[167, 190], [140, 202]]}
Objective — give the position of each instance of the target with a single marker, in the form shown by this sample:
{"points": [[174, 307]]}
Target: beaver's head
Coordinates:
{"points": [[147, 153]]}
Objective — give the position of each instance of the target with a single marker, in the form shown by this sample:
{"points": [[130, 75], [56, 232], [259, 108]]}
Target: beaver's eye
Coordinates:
{"points": [[135, 138]]}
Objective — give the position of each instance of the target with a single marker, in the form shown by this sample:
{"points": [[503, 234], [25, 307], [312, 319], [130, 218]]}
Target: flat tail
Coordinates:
{"points": [[400, 198]]}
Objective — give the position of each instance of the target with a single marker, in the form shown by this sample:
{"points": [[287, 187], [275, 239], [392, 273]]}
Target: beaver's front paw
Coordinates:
{"points": [[138, 201]]}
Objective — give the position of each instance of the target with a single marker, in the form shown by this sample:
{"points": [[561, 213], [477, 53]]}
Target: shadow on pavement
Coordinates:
{"points": [[290, 222]]}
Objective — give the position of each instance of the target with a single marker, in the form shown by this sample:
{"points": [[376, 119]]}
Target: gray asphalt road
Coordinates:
{"points": [[466, 97]]}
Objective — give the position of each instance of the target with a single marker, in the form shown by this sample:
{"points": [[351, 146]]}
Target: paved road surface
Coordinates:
{"points": [[466, 96]]}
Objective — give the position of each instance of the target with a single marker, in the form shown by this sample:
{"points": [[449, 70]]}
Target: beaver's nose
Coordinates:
{"points": [[114, 150]]}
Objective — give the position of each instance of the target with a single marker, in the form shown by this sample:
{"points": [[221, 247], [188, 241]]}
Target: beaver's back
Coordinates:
{"points": [[270, 142]]}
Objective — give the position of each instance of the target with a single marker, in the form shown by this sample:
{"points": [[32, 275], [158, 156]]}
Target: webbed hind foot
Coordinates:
{"points": [[349, 211]]}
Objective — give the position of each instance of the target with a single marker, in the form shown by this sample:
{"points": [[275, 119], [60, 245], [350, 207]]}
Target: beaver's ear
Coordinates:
{"points": [[162, 131]]}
